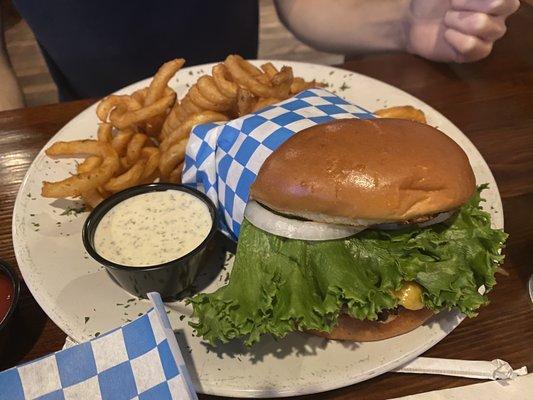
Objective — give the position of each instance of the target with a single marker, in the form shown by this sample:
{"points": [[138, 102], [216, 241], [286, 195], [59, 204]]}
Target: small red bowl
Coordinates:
{"points": [[9, 292]]}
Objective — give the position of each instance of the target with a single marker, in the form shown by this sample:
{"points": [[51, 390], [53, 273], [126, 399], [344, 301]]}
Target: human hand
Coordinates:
{"points": [[456, 30]]}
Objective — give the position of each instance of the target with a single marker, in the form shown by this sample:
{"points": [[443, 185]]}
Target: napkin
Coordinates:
{"points": [[140, 360], [223, 159]]}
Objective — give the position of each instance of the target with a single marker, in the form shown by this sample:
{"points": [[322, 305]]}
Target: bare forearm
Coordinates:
{"points": [[347, 26], [440, 30]]}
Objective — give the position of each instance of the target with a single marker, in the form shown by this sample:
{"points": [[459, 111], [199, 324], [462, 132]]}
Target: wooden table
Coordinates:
{"points": [[492, 103]]}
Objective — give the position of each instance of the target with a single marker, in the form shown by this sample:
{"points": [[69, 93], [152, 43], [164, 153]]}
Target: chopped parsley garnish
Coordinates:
{"points": [[73, 211]]}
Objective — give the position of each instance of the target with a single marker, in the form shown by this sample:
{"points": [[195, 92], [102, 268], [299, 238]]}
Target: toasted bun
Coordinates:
{"points": [[350, 170], [349, 328]]}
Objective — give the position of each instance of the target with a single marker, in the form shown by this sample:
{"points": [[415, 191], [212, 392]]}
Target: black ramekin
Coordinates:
{"points": [[5, 323], [169, 279]]}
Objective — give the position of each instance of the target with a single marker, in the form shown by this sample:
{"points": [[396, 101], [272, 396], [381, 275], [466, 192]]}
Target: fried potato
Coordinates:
{"points": [[105, 132], [244, 74], [188, 107], [174, 155], [92, 198], [121, 140], [133, 151], [245, 101], [262, 103], [140, 95], [159, 83], [127, 153], [402, 112], [131, 117], [175, 176], [282, 81], [86, 181], [299, 85], [113, 101], [182, 132], [203, 103], [224, 81], [153, 126], [127, 179], [269, 69], [209, 90], [152, 156], [89, 164]]}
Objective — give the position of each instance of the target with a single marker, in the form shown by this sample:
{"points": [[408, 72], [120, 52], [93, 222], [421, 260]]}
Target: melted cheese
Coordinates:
{"points": [[410, 296]]}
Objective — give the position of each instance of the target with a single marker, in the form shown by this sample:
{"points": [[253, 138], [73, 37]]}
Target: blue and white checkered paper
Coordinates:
{"points": [[136, 361], [223, 159]]}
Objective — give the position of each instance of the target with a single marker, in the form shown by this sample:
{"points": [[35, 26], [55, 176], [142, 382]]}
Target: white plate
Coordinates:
{"points": [[82, 300]]}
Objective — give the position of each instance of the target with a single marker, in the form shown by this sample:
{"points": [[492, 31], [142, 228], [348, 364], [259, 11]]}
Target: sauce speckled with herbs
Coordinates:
{"points": [[152, 228]]}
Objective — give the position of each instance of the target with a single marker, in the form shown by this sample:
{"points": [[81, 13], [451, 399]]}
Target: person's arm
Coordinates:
{"points": [[441, 30], [347, 26], [10, 94]]}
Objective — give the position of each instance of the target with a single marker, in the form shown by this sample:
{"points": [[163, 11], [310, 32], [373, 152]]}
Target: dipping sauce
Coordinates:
{"points": [[152, 228], [6, 295]]}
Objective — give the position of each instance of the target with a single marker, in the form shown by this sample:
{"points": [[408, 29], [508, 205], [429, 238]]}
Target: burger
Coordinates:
{"points": [[356, 230]]}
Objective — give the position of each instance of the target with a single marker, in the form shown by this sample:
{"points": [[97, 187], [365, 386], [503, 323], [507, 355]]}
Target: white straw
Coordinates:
{"points": [[495, 369]]}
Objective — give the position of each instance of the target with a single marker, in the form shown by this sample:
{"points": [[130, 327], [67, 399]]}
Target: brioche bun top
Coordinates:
{"points": [[350, 170]]}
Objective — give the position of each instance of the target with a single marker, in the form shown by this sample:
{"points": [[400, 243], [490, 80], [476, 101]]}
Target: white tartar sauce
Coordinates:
{"points": [[152, 228]]}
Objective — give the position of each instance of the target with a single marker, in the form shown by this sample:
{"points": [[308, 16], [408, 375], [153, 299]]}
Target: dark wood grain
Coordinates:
{"points": [[490, 101], [22, 134]]}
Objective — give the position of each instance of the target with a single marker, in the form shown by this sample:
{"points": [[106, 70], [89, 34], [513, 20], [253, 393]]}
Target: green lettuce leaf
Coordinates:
{"points": [[280, 285]]}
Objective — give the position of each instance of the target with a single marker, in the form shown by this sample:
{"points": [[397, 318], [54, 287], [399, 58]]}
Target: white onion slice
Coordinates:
{"points": [[296, 229], [440, 217]]}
